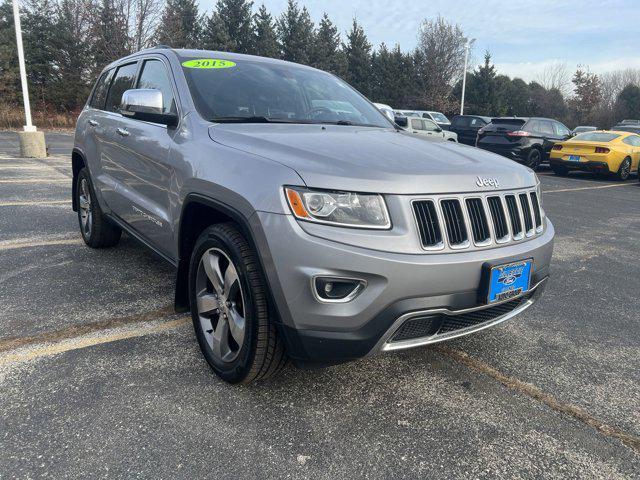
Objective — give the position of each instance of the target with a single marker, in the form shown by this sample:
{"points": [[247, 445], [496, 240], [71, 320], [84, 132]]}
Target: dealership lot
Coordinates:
{"points": [[99, 378]]}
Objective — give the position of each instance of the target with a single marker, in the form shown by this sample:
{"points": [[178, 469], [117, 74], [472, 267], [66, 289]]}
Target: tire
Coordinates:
{"points": [[96, 229], [624, 171], [534, 159], [230, 314], [560, 170]]}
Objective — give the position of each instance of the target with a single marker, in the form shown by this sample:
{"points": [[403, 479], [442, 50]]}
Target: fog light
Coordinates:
{"points": [[336, 289]]}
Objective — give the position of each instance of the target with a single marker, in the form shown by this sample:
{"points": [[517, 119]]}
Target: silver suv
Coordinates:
{"points": [[303, 224]]}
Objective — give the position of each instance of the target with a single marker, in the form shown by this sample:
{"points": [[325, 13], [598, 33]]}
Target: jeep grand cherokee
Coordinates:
{"points": [[303, 224]]}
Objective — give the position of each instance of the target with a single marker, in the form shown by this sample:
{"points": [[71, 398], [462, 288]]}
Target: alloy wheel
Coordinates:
{"points": [[86, 212], [220, 304], [625, 169]]}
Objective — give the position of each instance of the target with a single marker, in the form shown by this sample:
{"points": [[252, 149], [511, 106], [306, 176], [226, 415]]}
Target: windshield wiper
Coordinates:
{"points": [[252, 119]]}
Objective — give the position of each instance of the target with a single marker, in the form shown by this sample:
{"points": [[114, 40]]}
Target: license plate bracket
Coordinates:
{"points": [[574, 158], [501, 282]]}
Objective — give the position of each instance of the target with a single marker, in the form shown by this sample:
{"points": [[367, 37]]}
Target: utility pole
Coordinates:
{"points": [[32, 142], [464, 74]]}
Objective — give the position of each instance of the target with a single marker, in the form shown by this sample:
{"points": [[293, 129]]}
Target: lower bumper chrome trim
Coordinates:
{"points": [[385, 345]]}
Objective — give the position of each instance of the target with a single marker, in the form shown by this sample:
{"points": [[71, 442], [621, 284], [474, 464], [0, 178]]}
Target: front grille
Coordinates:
{"points": [[487, 218], [499, 218], [479, 225], [514, 216], [526, 212], [440, 324], [454, 222], [428, 224], [536, 209]]}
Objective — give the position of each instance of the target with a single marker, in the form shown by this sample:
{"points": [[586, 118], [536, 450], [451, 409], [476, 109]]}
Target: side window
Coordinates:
{"points": [[533, 126], [462, 122], [416, 124], [546, 127], [430, 126], [475, 122], [100, 92], [123, 80], [560, 129], [629, 141], [154, 75]]}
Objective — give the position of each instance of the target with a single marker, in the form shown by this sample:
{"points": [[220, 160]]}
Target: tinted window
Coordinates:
{"points": [[460, 121], [416, 124], [596, 137], [279, 92], [154, 75], [100, 92], [123, 80], [476, 122], [560, 129]]}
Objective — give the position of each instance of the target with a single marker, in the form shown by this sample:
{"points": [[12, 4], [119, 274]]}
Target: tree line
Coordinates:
{"points": [[68, 42]]}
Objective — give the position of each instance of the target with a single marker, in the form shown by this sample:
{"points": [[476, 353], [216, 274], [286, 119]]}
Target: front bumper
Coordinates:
{"points": [[319, 333]]}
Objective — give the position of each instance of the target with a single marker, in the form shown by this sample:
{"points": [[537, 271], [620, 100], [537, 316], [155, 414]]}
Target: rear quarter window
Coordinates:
{"points": [[100, 92]]}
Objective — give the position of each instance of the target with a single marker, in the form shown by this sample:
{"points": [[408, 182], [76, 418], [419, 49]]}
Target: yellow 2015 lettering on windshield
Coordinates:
{"points": [[208, 63]]}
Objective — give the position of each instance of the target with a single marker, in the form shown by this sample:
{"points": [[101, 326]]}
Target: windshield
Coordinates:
{"points": [[249, 91], [439, 117], [596, 137]]}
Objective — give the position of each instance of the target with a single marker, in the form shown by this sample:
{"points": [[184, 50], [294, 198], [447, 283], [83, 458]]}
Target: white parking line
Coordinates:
{"points": [[35, 204], [25, 354], [30, 242], [57, 181], [610, 185]]}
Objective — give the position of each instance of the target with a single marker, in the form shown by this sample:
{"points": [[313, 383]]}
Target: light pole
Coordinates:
{"points": [[32, 142], [464, 74]]}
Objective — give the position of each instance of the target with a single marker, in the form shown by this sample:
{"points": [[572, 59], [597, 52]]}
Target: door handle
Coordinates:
{"points": [[93, 123], [122, 132]]}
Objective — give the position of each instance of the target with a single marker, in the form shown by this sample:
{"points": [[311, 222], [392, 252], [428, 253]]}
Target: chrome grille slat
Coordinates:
{"points": [[477, 220]]}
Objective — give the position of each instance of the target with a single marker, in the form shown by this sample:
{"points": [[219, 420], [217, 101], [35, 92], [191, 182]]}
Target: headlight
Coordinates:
{"points": [[348, 209]]}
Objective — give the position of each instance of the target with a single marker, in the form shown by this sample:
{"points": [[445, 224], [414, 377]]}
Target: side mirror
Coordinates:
{"points": [[402, 121], [146, 104], [438, 129]]}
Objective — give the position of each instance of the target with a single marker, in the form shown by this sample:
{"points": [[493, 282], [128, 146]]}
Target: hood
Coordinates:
{"points": [[374, 159]]}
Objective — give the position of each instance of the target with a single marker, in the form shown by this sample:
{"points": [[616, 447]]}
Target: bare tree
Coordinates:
{"points": [[556, 76], [439, 59], [147, 16]]}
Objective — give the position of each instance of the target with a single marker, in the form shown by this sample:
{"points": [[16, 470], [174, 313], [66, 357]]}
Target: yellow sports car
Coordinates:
{"points": [[601, 151]]}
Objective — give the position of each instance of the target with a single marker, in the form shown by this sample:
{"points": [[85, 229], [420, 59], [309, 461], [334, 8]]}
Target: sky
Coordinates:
{"points": [[522, 36]]}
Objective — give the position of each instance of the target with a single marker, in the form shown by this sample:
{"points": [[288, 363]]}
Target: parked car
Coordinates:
{"points": [[467, 126], [386, 109], [627, 128], [426, 127], [525, 140], [607, 152], [302, 223], [582, 129], [440, 118], [630, 122]]}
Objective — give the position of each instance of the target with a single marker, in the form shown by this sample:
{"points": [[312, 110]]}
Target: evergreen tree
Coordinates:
{"points": [[325, 53], [73, 85], [9, 74], [40, 50], [265, 40], [235, 17], [110, 39], [483, 94], [295, 32], [215, 35], [180, 24], [358, 54], [628, 102]]}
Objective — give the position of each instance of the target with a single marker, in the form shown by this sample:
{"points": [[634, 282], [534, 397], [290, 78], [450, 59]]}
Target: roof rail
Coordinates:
{"points": [[162, 46]]}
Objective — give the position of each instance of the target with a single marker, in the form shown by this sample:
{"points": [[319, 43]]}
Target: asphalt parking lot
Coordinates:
{"points": [[98, 378]]}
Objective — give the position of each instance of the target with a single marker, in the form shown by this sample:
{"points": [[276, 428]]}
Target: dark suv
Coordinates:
{"points": [[467, 126], [525, 140]]}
